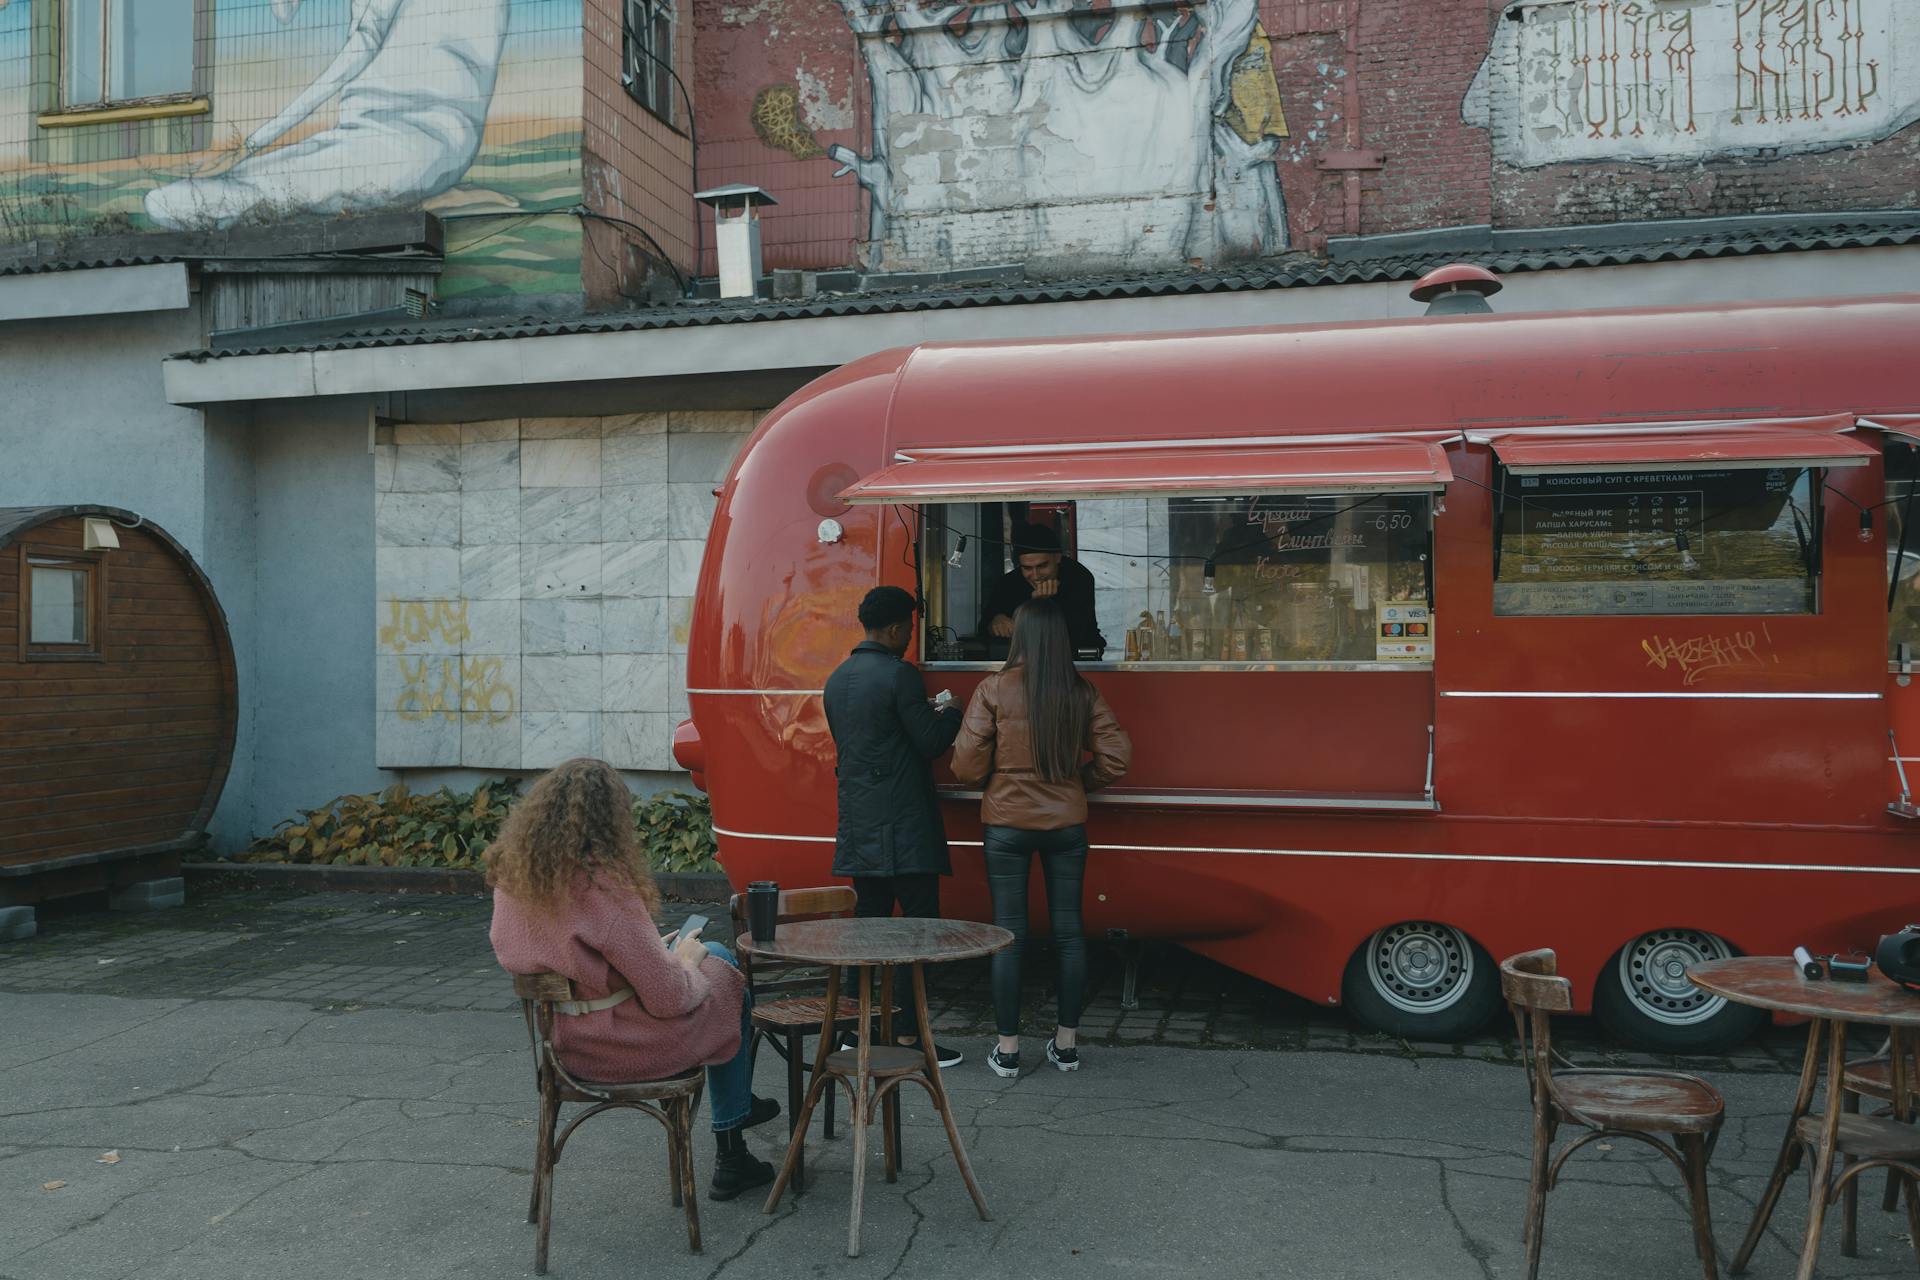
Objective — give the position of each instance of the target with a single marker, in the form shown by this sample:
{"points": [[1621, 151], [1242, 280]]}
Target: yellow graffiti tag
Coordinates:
{"points": [[454, 688], [416, 622]]}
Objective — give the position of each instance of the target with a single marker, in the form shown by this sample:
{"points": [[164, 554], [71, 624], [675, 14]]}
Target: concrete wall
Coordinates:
{"points": [[87, 421]]}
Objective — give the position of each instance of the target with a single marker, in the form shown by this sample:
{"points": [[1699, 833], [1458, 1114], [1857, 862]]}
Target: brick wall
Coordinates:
{"points": [[635, 166]]}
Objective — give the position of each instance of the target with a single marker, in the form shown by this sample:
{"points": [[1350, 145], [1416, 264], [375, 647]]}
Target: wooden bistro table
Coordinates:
{"points": [[1775, 982], [872, 1073]]}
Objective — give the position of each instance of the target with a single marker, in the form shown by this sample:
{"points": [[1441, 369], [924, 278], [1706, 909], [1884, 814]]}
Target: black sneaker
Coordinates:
{"points": [[941, 1054], [1004, 1065], [736, 1171], [1065, 1059]]}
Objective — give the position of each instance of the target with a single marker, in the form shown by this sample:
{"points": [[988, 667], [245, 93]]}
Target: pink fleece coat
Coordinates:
{"points": [[603, 939]]}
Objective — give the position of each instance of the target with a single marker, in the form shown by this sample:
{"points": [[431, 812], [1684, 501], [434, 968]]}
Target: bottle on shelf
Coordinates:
{"points": [[1176, 634], [1149, 642]]}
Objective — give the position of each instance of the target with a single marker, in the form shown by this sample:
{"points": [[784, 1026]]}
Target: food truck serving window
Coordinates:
{"points": [[1743, 541], [1903, 547], [1194, 580]]}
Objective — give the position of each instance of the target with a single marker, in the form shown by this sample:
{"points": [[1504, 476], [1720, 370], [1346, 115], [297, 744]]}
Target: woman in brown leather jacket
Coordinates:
{"points": [[1027, 735]]}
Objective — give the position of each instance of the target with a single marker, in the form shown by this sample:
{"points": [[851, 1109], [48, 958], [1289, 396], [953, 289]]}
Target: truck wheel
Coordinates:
{"points": [[1422, 981], [1643, 996]]}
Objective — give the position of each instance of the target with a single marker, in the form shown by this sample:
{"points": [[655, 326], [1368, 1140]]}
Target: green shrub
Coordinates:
{"points": [[399, 828]]}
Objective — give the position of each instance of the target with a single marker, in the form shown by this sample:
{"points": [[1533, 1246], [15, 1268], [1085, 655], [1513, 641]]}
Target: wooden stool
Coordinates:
{"points": [[1873, 1078], [669, 1101]]}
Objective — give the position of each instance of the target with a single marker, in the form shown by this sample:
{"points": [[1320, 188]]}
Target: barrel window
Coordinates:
{"points": [[60, 607], [1656, 542]]}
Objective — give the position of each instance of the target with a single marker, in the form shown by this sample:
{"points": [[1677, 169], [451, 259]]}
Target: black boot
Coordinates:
{"points": [[734, 1168], [764, 1109]]}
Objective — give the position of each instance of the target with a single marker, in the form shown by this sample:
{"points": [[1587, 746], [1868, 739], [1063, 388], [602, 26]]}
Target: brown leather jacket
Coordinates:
{"points": [[994, 747]]}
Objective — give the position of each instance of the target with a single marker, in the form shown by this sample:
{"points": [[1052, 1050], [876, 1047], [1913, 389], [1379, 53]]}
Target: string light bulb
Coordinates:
{"points": [[1206, 578], [1866, 524], [959, 557]]}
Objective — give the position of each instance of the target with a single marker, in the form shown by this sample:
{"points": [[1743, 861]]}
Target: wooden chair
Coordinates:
{"points": [[671, 1102], [1873, 1078], [1609, 1104], [785, 1021]]}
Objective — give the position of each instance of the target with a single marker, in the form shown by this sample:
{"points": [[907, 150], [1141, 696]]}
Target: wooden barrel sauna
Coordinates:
{"points": [[117, 702]]}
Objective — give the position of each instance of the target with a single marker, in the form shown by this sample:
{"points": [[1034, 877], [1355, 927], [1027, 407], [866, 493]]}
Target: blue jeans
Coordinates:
{"points": [[730, 1084]]}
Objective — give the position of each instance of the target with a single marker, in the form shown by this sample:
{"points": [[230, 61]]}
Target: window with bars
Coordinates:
{"points": [[648, 54], [125, 50]]}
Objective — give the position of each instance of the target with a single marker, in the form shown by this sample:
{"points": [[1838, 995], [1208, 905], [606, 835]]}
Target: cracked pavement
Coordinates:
{"points": [[332, 1085]]}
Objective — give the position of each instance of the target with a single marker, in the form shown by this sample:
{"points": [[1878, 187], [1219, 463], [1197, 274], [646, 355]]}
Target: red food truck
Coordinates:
{"points": [[1437, 638]]}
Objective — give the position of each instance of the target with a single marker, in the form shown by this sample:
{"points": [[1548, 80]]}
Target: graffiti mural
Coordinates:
{"points": [[1586, 80], [413, 83], [1045, 131], [315, 108]]}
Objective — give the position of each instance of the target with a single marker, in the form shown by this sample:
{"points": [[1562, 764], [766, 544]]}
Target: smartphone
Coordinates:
{"points": [[693, 923]]}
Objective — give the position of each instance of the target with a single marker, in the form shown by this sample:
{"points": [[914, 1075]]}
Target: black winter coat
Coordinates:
{"points": [[887, 737]]}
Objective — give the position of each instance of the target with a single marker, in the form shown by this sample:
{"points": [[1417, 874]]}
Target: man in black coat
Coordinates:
{"points": [[891, 839], [1040, 571]]}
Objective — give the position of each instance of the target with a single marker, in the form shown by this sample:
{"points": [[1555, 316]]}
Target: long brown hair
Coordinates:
{"points": [[1059, 701], [578, 818]]}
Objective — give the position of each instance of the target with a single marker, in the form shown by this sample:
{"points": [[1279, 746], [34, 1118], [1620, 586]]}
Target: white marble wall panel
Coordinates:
{"points": [[683, 566], [633, 569], [546, 464], [534, 581], [426, 468], [569, 682], [490, 518], [635, 626], [638, 740], [416, 573], [635, 682], [633, 459], [692, 510], [403, 742], [498, 429], [490, 464], [701, 455], [548, 738], [417, 520], [560, 428], [550, 569], [634, 424], [491, 745], [489, 572], [560, 515], [635, 513], [493, 626], [559, 626]]}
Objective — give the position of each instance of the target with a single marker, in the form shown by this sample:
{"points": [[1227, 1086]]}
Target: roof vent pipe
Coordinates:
{"points": [[1457, 289], [736, 236]]}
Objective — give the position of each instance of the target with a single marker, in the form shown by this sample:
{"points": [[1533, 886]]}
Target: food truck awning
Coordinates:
{"points": [[1046, 473], [1748, 444], [1904, 425]]}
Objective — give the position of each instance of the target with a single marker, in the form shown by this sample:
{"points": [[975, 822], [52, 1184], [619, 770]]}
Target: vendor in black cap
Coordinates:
{"points": [[1041, 571]]}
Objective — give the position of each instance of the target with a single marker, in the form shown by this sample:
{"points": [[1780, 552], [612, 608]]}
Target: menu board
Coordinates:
{"points": [[1654, 543]]}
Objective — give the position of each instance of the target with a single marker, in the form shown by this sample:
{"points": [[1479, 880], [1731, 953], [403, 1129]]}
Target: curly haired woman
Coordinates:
{"points": [[572, 895]]}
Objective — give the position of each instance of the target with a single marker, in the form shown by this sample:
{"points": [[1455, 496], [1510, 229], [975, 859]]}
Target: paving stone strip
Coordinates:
{"points": [[336, 949]]}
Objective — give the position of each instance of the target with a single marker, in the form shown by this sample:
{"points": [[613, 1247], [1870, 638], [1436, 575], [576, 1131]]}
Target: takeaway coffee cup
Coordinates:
{"points": [[763, 909]]}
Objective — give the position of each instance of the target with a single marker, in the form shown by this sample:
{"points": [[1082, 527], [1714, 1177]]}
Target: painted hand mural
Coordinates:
{"points": [[1068, 136], [1585, 80], [414, 81]]}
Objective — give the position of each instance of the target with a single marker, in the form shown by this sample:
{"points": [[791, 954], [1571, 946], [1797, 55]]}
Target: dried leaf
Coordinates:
{"points": [[55, 1185], [110, 1157]]}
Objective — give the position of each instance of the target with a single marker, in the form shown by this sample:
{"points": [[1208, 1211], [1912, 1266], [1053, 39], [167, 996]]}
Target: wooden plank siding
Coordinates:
{"points": [[128, 748]]}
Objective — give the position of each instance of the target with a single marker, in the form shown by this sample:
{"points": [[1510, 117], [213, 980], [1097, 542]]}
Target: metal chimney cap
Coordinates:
{"points": [[1456, 277], [739, 193]]}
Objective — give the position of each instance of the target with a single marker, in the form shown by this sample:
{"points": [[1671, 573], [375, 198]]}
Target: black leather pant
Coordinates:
{"points": [[1063, 861]]}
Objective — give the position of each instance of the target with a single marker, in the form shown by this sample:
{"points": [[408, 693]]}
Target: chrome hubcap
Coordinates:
{"points": [[1653, 973], [1420, 967]]}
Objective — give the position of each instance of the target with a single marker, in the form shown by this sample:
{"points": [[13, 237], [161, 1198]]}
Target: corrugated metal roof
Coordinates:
{"points": [[40, 266], [1294, 271]]}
